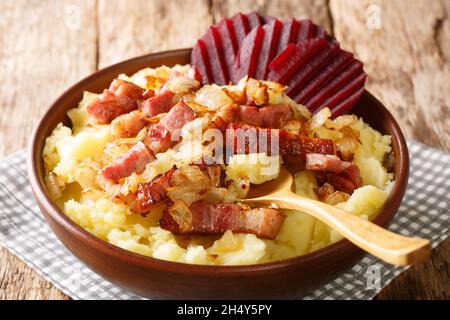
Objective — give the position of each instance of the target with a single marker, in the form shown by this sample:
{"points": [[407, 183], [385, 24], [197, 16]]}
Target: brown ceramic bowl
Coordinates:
{"points": [[155, 278]]}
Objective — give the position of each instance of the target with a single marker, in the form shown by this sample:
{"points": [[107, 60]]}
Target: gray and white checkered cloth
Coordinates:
{"points": [[423, 213]]}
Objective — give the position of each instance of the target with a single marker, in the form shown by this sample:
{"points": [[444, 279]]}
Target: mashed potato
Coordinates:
{"points": [[73, 156]]}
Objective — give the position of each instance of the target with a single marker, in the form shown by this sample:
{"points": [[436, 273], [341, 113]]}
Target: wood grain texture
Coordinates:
{"points": [[156, 26], [47, 45], [407, 60], [39, 58], [305, 9]]}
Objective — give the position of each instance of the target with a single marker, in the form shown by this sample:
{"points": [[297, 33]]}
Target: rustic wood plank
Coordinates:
{"points": [[155, 26], [19, 282], [45, 46], [316, 10], [407, 60], [413, 80]]}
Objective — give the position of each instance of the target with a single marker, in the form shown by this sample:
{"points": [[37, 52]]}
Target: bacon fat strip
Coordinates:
{"points": [[128, 125], [134, 160], [159, 103], [348, 180], [120, 98], [202, 218], [167, 97], [163, 135], [155, 192], [326, 162], [292, 147], [343, 175], [151, 194], [271, 116]]}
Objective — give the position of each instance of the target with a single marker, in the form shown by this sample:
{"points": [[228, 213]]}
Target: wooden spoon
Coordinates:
{"points": [[388, 246]]}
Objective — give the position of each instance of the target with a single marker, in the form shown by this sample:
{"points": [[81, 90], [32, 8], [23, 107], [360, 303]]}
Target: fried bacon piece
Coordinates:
{"points": [[121, 97], [326, 193], [343, 175], [347, 181], [159, 103], [226, 115], [271, 116], [170, 93], [154, 193], [193, 177], [165, 134], [203, 218], [128, 125], [292, 147], [134, 160], [326, 162]]}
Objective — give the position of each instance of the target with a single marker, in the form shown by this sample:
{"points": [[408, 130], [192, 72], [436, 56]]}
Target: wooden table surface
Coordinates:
{"points": [[47, 45]]}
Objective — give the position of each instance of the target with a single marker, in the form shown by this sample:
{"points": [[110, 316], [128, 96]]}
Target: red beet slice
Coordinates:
{"points": [[269, 46], [289, 34], [354, 85], [292, 59], [254, 20], [320, 32], [200, 59], [276, 36], [244, 23], [332, 87], [241, 27], [319, 74], [306, 30], [322, 76], [347, 104], [229, 44], [216, 56], [248, 54], [317, 62]]}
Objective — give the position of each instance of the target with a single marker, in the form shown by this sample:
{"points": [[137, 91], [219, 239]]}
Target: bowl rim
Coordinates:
{"points": [[34, 156]]}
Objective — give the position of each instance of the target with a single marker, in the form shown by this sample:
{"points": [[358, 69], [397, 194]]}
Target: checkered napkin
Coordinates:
{"points": [[423, 213]]}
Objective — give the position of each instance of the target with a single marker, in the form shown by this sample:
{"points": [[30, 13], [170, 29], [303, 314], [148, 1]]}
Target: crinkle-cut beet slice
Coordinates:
{"points": [[238, 26], [216, 56], [229, 40], [247, 56], [351, 72], [354, 85], [320, 32], [286, 64], [244, 23], [306, 31], [254, 19], [200, 59], [315, 63], [289, 34], [323, 75], [215, 53], [277, 35], [348, 103], [229, 44], [267, 19], [272, 31], [241, 27]]}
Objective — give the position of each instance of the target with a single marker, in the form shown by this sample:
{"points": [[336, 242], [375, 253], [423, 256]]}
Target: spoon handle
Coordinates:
{"points": [[388, 246]]}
